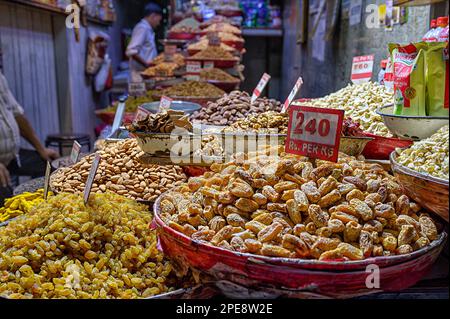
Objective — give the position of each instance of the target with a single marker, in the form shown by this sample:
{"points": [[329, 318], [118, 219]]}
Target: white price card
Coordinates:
{"points": [[208, 65], [362, 68], [136, 88], [75, 154], [91, 177], [314, 132], [48, 170], [260, 87], [292, 95], [193, 67], [165, 103]]}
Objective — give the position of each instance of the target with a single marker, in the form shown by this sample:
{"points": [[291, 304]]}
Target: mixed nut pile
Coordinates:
{"points": [[233, 107], [429, 156], [121, 172], [194, 89], [291, 208]]}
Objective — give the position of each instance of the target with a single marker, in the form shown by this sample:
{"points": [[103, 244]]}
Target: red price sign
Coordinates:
{"points": [[292, 95], [165, 103], [314, 132], [260, 87], [362, 68]]}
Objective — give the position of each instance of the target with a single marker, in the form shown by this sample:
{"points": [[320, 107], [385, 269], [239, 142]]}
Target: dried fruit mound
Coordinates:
{"points": [[64, 249]]}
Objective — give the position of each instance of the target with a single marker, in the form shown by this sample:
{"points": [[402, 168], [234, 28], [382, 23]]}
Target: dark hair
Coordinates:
{"points": [[152, 8]]}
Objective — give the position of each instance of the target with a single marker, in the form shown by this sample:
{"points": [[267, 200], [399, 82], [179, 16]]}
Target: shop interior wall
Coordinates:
{"points": [[26, 41], [333, 73]]}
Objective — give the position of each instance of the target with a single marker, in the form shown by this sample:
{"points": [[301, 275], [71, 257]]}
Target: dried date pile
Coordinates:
{"points": [[350, 210], [233, 107]]}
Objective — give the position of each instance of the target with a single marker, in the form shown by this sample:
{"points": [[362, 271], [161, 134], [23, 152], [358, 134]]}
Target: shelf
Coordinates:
{"points": [[262, 32], [410, 3]]}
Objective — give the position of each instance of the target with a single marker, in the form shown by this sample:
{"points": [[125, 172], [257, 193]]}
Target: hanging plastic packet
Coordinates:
{"points": [[409, 78], [437, 76]]}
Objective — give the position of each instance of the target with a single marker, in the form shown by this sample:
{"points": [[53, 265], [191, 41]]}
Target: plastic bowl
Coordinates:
{"points": [[411, 127], [187, 107], [181, 35], [295, 277], [218, 63], [428, 191], [380, 148]]}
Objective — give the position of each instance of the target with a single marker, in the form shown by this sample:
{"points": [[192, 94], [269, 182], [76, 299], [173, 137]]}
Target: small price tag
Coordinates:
{"points": [[91, 177], [314, 132], [213, 39], [118, 117], [193, 67], [48, 169], [362, 68], [165, 103], [168, 57], [75, 154], [136, 88], [141, 113], [292, 95], [260, 87], [170, 49], [192, 77], [208, 65]]}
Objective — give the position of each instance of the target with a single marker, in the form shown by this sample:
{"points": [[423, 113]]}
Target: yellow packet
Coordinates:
{"points": [[409, 78], [437, 76]]}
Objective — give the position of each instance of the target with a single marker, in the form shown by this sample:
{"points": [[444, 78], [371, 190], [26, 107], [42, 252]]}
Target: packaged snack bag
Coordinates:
{"points": [[437, 76], [409, 78]]}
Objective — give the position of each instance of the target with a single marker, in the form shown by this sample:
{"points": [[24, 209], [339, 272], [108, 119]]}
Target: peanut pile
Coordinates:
{"points": [[120, 172], [233, 107], [65, 249], [350, 210]]}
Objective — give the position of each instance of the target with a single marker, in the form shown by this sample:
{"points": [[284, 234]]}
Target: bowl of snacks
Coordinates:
{"points": [[184, 106], [289, 227], [410, 127], [220, 78], [220, 57], [229, 39], [199, 46], [221, 27], [186, 29], [423, 172]]}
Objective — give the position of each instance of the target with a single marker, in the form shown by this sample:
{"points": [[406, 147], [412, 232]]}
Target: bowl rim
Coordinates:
{"points": [[281, 261], [191, 104], [379, 111], [396, 166]]}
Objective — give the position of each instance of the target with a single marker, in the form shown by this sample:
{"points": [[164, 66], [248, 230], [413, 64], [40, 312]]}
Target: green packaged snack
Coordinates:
{"points": [[437, 77], [409, 78]]}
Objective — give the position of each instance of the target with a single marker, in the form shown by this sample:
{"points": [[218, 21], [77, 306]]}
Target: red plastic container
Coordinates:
{"points": [[295, 277], [218, 63], [181, 35], [238, 45], [108, 117], [380, 147]]}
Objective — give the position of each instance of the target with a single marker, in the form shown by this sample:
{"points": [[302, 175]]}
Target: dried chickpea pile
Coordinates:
{"points": [[64, 249], [121, 172], [429, 156], [360, 103], [289, 208], [21, 204]]}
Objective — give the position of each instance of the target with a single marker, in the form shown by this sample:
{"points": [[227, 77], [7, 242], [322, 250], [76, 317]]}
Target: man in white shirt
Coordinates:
{"points": [[13, 160], [142, 47]]}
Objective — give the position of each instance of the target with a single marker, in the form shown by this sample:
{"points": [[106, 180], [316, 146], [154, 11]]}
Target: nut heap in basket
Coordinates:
{"points": [[291, 208], [120, 171], [429, 156], [233, 107], [65, 249]]}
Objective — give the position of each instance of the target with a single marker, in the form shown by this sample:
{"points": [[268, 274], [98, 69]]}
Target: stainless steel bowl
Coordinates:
{"points": [[411, 127], [187, 107]]}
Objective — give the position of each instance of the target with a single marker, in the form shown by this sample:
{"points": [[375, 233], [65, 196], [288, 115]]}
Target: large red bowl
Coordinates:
{"points": [[238, 45], [296, 277], [380, 147], [218, 63], [181, 35]]}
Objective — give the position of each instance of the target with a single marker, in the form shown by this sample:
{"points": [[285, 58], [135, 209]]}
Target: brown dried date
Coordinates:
{"points": [[318, 216], [311, 192]]}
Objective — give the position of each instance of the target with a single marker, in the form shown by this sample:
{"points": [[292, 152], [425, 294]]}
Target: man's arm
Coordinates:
{"points": [[28, 133], [135, 46]]}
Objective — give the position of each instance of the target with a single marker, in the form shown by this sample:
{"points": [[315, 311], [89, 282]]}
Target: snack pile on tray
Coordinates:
{"points": [[213, 53], [204, 45], [164, 122], [193, 89], [21, 204], [65, 249], [216, 75], [120, 171], [291, 208], [429, 156]]}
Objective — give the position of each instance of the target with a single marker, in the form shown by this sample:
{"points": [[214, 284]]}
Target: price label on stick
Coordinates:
{"points": [[48, 170], [165, 103], [75, 154], [136, 88], [292, 95], [91, 177], [260, 87], [208, 65], [193, 67], [118, 117], [362, 68], [314, 132], [213, 39], [141, 113]]}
